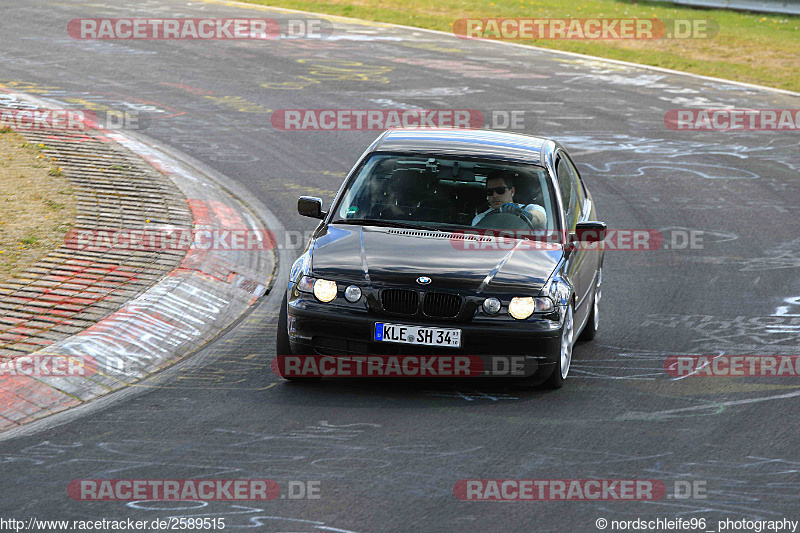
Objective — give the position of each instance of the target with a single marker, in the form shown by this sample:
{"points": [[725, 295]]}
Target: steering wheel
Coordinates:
{"points": [[495, 219]]}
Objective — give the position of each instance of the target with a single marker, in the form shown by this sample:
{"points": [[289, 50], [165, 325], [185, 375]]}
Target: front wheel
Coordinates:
{"points": [[556, 379], [282, 346], [593, 323]]}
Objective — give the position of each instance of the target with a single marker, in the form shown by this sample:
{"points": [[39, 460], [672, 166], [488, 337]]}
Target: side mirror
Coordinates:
{"points": [[590, 231], [310, 206]]}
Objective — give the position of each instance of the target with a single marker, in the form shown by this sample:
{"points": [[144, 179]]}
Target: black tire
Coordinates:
{"points": [[589, 330], [592, 323], [561, 368], [529, 382], [555, 381], [282, 346]]}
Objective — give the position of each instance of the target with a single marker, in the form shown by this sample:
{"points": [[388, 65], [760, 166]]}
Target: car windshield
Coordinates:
{"points": [[438, 193]]}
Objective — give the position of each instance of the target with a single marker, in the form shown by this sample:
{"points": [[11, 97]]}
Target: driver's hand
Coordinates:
{"points": [[514, 209]]}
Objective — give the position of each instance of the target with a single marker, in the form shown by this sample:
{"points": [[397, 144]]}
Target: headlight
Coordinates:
{"points": [[352, 294], [491, 306], [325, 290], [544, 305], [299, 268], [306, 284], [523, 307], [558, 290]]}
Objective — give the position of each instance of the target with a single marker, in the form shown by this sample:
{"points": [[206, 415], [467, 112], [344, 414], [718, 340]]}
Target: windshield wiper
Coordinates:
{"points": [[514, 234], [385, 223], [440, 227]]}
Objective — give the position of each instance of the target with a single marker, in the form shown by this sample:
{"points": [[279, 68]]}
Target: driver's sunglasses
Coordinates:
{"points": [[498, 190]]}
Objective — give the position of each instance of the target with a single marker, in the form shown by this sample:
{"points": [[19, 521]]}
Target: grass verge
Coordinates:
{"points": [[37, 205]]}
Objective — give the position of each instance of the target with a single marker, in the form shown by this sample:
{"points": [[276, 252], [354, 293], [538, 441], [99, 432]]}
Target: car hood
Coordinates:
{"points": [[395, 256]]}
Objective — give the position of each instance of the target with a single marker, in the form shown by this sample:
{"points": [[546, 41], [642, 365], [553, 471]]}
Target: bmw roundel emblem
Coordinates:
{"points": [[423, 280]]}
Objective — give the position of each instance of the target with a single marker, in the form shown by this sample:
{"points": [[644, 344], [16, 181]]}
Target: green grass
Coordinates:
{"points": [[754, 48], [55, 206]]}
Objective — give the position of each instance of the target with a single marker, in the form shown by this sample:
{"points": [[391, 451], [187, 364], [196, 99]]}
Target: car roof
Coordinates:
{"points": [[489, 144]]}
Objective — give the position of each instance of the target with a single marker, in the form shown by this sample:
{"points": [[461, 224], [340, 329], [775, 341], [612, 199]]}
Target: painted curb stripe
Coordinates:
{"points": [[184, 310]]}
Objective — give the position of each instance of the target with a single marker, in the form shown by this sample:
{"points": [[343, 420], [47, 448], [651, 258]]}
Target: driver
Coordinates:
{"points": [[500, 193]]}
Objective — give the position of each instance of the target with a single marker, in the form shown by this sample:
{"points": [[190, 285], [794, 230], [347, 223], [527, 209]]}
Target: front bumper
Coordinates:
{"points": [[322, 329]]}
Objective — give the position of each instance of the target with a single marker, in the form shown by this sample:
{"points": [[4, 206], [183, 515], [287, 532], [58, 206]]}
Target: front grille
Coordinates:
{"points": [[400, 301], [441, 305]]}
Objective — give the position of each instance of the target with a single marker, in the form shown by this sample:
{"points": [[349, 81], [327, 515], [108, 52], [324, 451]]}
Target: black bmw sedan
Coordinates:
{"points": [[476, 246]]}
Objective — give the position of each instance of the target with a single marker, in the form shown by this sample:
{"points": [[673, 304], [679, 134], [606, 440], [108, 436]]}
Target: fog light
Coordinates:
{"points": [[352, 294], [491, 306], [325, 290]]}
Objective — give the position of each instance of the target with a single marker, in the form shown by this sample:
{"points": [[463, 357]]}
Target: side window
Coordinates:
{"points": [[564, 183], [577, 187], [568, 185]]}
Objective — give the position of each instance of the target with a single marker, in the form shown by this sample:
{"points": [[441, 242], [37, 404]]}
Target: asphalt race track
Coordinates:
{"points": [[388, 453]]}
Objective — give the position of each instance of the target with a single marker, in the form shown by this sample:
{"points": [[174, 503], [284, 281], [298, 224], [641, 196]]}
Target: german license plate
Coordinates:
{"points": [[421, 335]]}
